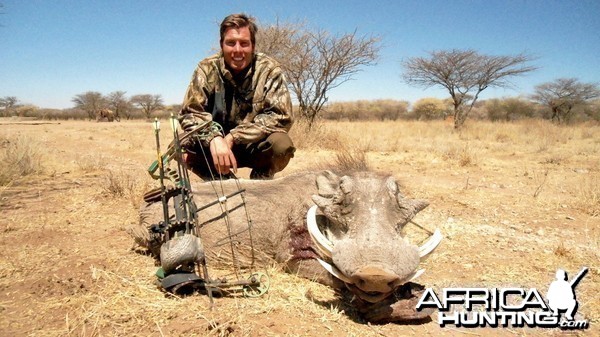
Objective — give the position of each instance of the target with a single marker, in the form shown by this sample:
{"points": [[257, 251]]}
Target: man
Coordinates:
{"points": [[246, 94]]}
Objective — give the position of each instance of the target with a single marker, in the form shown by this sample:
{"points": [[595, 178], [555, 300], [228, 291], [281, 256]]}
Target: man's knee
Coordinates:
{"points": [[274, 155], [281, 144]]}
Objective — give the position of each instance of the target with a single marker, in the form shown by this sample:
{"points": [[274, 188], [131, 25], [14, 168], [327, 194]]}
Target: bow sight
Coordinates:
{"points": [[182, 252]]}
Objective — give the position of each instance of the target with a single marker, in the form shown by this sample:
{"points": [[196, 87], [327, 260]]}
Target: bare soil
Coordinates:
{"points": [[515, 202]]}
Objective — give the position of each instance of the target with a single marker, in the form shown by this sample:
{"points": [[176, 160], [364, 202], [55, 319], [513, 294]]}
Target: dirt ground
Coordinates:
{"points": [[515, 202]]}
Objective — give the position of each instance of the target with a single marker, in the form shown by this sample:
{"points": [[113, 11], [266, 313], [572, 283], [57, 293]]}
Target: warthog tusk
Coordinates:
{"points": [[324, 246], [415, 275], [334, 271], [412, 276], [430, 245]]}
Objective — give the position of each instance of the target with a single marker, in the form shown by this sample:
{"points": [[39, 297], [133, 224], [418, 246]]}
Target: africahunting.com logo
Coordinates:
{"points": [[508, 307]]}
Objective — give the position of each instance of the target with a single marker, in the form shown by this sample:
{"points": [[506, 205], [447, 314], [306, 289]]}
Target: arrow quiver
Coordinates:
{"points": [[182, 252]]}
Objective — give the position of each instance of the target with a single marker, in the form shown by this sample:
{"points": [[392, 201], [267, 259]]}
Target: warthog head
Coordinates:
{"points": [[356, 227]]}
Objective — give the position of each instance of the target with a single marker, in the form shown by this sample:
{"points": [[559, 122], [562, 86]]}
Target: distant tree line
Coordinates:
{"points": [[93, 105], [560, 109], [366, 110], [496, 109], [117, 105]]}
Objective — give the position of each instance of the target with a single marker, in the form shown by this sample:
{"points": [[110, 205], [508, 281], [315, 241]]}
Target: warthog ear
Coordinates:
{"points": [[331, 194], [408, 207], [327, 184], [392, 186], [331, 189], [346, 184]]}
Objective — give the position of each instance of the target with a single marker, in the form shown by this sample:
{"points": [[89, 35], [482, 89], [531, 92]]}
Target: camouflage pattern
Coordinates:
{"points": [[250, 108]]}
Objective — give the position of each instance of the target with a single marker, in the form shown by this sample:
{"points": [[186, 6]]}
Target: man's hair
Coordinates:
{"points": [[239, 21]]}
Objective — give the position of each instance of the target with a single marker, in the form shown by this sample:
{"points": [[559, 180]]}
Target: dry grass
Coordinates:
{"points": [[561, 250], [127, 186], [67, 267], [588, 194], [317, 136], [20, 156], [91, 163], [347, 160], [463, 154], [540, 180]]}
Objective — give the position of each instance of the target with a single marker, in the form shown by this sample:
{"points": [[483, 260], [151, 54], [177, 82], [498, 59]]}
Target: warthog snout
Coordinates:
{"points": [[374, 279]]}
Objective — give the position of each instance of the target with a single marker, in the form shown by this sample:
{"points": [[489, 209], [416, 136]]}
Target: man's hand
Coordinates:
{"points": [[220, 149]]}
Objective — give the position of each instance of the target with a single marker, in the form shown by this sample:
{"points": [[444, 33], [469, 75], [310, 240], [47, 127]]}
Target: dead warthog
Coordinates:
{"points": [[341, 231]]}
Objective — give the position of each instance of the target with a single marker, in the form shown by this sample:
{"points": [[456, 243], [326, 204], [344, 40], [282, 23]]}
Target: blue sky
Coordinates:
{"points": [[51, 51]]}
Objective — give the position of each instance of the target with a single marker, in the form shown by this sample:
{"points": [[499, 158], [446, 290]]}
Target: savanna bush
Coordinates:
{"points": [[431, 108], [508, 109], [366, 110], [592, 110]]}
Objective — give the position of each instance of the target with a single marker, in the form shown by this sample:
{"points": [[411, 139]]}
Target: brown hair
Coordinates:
{"points": [[239, 21]]}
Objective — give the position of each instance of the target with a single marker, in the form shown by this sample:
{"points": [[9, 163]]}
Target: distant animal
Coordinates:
{"points": [[106, 114], [343, 231]]}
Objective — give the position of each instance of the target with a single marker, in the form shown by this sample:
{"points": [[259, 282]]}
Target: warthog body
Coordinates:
{"points": [[107, 114], [359, 221]]}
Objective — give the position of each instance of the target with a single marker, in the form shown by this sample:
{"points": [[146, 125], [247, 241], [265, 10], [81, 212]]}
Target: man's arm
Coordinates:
{"points": [[194, 111], [273, 111], [195, 104]]}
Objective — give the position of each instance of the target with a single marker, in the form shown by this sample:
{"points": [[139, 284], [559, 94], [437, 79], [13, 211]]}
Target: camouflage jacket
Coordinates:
{"points": [[250, 108]]}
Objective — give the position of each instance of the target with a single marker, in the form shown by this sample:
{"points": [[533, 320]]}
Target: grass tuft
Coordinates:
{"points": [[89, 164], [561, 250], [123, 185], [317, 136], [20, 156], [588, 195], [463, 154], [351, 160]]}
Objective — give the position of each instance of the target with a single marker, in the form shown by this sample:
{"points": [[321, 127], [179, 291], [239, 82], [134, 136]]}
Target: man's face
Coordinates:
{"points": [[237, 49]]}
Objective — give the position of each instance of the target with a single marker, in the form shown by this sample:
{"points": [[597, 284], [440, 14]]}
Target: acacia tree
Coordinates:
{"points": [[90, 102], [464, 74], [148, 103], [8, 104], [119, 104], [316, 61], [562, 95]]}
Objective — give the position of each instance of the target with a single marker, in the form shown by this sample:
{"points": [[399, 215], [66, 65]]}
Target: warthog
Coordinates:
{"points": [[341, 231], [107, 114]]}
